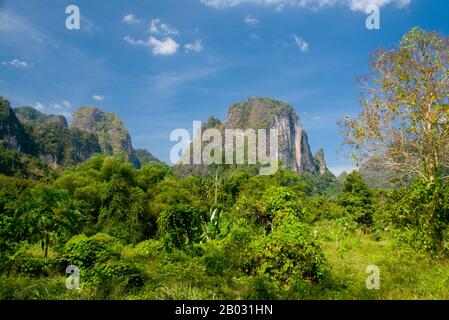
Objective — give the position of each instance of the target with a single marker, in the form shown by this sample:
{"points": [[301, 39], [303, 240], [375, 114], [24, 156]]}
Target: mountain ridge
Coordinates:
{"points": [[50, 138]]}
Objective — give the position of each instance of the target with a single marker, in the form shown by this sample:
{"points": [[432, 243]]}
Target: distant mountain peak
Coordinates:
{"points": [[13, 134], [112, 133], [268, 113], [30, 115], [48, 136]]}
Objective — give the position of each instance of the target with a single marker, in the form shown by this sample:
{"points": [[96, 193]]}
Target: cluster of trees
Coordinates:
{"points": [[238, 221], [403, 129]]}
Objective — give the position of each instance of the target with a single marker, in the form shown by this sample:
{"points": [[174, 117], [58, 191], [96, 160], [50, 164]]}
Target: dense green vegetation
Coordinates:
{"points": [[149, 233]]}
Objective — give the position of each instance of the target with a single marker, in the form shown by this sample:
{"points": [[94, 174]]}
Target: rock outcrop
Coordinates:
{"points": [[145, 157], [55, 142], [13, 135], [320, 162], [265, 113], [257, 113], [49, 137], [113, 136], [29, 115]]}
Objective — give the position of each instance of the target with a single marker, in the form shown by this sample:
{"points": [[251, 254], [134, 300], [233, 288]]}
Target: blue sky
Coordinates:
{"points": [[162, 64]]}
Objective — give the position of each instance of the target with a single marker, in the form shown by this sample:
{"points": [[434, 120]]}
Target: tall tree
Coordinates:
{"points": [[403, 126], [51, 213]]}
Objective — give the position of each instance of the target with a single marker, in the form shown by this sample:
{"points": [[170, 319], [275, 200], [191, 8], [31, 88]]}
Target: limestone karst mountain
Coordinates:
{"points": [[29, 115], [320, 161], [265, 113], [145, 157], [49, 137], [13, 135], [55, 142], [113, 135], [294, 149]]}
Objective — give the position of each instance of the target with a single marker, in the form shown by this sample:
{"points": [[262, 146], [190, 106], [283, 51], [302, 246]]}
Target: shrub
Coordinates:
{"points": [[179, 225], [421, 213], [98, 263], [116, 271], [25, 264], [233, 251], [290, 252], [85, 252], [262, 287], [149, 248]]}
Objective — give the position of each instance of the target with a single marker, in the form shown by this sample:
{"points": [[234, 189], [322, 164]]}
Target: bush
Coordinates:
{"points": [[117, 271], [233, 251], [149, 248], [98, 263], [179, 225], [357, 199], [85, 252], [262, 287], [290, 252], [420, 213], [25, 264]]}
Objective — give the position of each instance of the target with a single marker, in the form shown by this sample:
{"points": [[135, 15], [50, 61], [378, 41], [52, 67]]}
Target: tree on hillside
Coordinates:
{"points": [[51, 213], [403, 125]]}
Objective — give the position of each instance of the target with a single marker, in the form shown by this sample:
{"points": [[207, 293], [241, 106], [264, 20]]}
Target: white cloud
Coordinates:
{"points": [[302, 45], [338, 170], [355, 5], [133, 42], [63, 108], [251, 21], [361, 5], [157, 27], [130, 19], [166, 83], [66, 104], [39, 106], [197, 46], [98, 97], [166, 47], [88, 26], [15, 63]]}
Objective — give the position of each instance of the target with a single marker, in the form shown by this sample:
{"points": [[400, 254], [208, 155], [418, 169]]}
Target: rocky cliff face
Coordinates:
{"points": [[49, 137], [29, 115], [55, 142], [13, 134], [112, 133], [320, 162], [145, 157], [294, 149]]}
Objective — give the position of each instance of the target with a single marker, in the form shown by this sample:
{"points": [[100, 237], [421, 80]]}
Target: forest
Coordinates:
{"points": [[157, 232]]}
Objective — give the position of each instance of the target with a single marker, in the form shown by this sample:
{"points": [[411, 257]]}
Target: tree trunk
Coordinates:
{"points": [[47, 243]]}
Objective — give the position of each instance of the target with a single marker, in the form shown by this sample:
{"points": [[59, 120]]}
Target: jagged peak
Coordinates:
{"points": [[27, 114], [321, 162], [258, 112], [263, 102]]}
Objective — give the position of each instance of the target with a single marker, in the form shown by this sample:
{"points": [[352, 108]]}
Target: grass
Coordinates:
{"points": [[404, 275]]}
